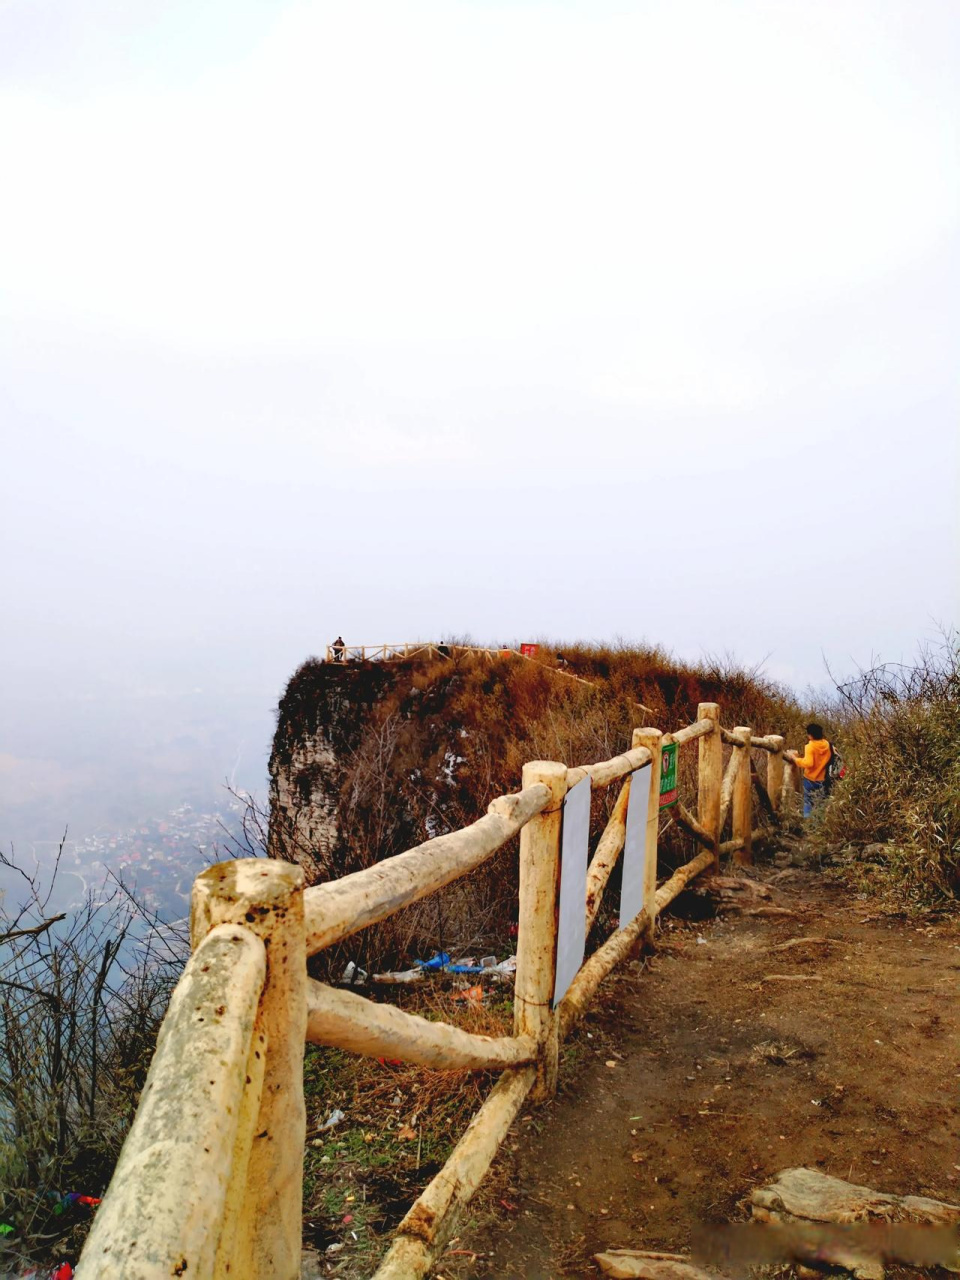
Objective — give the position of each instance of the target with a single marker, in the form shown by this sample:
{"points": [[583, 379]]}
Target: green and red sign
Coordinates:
{"points": [[668, 775]]}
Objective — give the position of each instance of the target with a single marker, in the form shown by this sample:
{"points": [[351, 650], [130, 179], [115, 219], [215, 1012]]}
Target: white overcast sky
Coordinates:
{"points": [[403, 318]]}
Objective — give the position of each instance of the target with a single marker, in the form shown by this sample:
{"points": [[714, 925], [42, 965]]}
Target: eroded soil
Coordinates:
{"points": [[693, 1079]]}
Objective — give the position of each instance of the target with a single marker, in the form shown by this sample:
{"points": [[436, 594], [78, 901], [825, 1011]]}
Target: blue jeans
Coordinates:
{"points": [[812, 796]]}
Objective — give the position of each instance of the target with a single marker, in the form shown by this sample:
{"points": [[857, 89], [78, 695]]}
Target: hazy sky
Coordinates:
{"points": [[401, 319]]}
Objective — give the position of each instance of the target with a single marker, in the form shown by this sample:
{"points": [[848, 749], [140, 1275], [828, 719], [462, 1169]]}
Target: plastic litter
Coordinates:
{"points": [[487, 965], [61, 1203], [6, 1229], [406, 975], [472, 993], [64, 1271], [465, 964], [74, 1197], [354, 976], [333, 1119]]}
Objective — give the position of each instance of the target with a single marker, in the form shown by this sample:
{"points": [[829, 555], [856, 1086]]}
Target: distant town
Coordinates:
{"points": [[159, 859]]}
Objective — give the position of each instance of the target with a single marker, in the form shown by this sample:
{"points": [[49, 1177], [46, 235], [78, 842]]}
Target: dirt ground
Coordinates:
{"points": [[694, 1079]]}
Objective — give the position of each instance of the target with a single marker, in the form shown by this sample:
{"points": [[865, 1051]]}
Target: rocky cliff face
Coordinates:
{"points": [[323, 716]]}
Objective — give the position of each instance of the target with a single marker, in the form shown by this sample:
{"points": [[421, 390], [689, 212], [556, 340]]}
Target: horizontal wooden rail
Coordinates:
{"points": [[346, 1020], [164, 1211], [772, 742], [620, 944], [341, 907], [428, 1226], [693, 731], [607, 771]]}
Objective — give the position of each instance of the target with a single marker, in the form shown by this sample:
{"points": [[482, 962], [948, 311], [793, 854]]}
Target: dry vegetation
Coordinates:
{"points": [[82, 995], [896, 815]]}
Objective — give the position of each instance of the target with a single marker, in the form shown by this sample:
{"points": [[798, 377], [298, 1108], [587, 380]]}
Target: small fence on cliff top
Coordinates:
{"points": [[210, 1180], [409, 649]]}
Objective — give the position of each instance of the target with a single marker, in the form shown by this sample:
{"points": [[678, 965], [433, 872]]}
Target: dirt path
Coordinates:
{"points": [[695, 1080]]}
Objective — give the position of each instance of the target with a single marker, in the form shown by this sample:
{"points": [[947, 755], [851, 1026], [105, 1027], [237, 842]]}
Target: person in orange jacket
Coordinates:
{"points": [[813, 763]]}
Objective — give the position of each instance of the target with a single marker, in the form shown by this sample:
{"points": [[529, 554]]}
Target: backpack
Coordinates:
{"points": [[836, 769]]}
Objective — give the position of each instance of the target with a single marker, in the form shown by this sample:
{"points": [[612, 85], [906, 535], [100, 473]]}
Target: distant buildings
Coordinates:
{"points": [[160, 859]]}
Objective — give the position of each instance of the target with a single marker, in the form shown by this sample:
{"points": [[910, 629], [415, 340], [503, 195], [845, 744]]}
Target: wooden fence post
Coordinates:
{"points": [[537, 938], [266, 897], [743, 798], [789, 788], [710, 777], [652, 740], [775, 772], [168, 1206]]}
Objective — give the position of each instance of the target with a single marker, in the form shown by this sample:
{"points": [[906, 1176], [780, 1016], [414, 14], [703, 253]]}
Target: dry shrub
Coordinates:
{"points": [[82, 994], [900, 737]]}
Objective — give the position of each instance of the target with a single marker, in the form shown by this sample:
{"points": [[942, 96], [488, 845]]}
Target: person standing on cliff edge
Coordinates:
{"points": [[338, 648], [813, 763]]}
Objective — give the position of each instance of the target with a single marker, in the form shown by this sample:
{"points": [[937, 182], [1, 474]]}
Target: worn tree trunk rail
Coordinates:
{"points": [[209, 1182]]}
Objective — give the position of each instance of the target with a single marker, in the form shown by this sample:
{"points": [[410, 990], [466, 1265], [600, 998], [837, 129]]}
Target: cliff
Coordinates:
{"points": [[370, 759], [323, 716]]}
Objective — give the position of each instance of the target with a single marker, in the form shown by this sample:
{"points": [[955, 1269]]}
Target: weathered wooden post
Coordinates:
{"points": [[743, 798], [266, 897], [168, 1204], [652, 739], [789, 788], [710, 777], [537, 938], [775, 772]]}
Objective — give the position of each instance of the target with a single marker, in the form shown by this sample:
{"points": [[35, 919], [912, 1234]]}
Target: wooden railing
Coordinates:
{"points": [[209, 1182], [409, 649]]}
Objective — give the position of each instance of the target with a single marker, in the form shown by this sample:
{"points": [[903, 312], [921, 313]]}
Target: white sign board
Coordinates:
{"points": [[635, 847], [572, 915]]}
